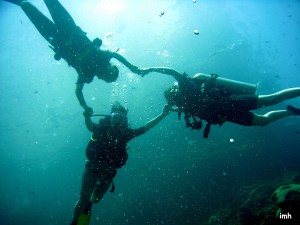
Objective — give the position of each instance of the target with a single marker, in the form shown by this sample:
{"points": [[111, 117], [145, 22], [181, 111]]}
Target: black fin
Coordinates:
{"points": [[293, 109]]}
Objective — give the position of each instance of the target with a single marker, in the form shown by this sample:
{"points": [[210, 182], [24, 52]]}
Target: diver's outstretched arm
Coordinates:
{"points": [[165, 70], [152, 123], [79, 95], [143, 71], [126, 63]]}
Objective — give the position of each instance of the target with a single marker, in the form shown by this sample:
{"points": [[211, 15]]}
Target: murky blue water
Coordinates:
{"points": [[173, 175]]}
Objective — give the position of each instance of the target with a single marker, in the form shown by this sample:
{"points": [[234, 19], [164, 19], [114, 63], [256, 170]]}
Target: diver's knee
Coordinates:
{"points": [[260, 120]]}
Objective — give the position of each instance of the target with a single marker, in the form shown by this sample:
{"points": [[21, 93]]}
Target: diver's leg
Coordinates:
{"points": [[101, 189], [272, 99], [45, 26], [89, 179], [263, 120], [62, 19]]}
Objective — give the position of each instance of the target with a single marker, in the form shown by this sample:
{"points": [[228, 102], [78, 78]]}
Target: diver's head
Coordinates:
{"points": [[97, 42], [118, 116], [173, 95], [110, 74]]}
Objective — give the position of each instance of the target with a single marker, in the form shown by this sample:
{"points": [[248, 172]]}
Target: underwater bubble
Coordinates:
{"points": [[190, 142], [196, 32], [165, 54], [231, 140], [108, 38]]}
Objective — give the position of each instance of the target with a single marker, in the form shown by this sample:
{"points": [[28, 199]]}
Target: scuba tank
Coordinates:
{"points": [[235, 87]]}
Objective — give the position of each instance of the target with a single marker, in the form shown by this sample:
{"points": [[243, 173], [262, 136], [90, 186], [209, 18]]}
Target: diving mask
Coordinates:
{"points": [[118, 119]]}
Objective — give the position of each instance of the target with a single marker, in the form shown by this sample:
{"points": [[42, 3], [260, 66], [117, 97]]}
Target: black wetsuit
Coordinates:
{"points": [[106, 152], [68, 40], [215, 104], [108, 146]]}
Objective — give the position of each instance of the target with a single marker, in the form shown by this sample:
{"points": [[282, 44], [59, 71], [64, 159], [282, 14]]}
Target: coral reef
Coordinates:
{"points": [[269, 202]]}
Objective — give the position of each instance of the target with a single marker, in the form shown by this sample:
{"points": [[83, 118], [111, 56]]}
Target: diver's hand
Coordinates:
{"points": [[174, 109], [137, 70], [144, 71], [88, 112], [167, 109]]}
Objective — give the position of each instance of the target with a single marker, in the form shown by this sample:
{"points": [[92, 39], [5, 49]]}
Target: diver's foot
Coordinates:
{"points": [[293, 109], [16, 2]]}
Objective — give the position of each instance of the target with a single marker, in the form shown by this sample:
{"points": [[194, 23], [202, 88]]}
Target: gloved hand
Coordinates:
{"points": [[88, 111], [167, 109], [144, 71]]}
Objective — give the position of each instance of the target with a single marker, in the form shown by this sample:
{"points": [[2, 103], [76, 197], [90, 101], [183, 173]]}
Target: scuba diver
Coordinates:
{"points": [[217, 100], [106, 152], [69, 42]]}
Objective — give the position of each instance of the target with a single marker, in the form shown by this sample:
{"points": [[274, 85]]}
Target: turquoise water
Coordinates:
{"points": [[173, 175]]}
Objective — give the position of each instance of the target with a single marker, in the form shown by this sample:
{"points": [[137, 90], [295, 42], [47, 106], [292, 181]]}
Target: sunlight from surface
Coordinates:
{"points": [[109, 8]]}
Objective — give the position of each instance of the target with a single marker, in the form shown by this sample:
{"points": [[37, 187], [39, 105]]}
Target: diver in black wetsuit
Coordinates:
{"points": [[106, 152], [69, 42], [202, 99]]}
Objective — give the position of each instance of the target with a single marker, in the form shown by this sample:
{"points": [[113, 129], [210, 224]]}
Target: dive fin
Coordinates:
{"points": [[293, 109], [84, 219]]}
